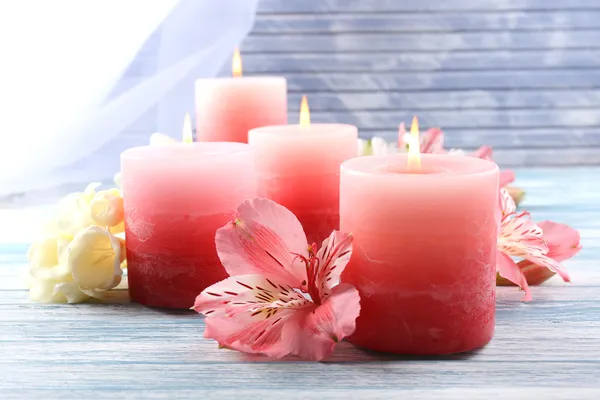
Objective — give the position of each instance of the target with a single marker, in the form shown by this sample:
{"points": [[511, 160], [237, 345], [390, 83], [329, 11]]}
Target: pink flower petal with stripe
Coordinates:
{"points": [[507, 176], [322, 328], [252, 314], [553, 265], [521, 237], [484, 152], [432, 141], [563, 243], [562, 240], [333, 257], [507, 204], [511, 271], [264, 239], [248, 312], [287, 298]]}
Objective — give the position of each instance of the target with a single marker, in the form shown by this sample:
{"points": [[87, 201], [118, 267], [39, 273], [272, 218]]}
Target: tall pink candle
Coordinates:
{"points": [[227, 108], [175, 198], [424, 251], [299, 168]]}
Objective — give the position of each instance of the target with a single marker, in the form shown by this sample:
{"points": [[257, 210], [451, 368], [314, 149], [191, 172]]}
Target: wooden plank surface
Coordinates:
{"points": [[278, 7], [427, 21], [549, 348], [420, 42], [470, 60], [512, 68]]}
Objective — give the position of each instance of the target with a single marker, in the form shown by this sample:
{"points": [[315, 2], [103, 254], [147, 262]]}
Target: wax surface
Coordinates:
{"points": [[299, 168], [424, 251], [227, 108], [175, 198]]}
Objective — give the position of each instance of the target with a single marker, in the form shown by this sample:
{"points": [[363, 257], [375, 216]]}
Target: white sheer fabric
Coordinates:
{"points": [[64, 103]]}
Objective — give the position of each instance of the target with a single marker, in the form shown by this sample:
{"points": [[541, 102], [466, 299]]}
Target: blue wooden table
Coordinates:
{"points": [[549, 348]]}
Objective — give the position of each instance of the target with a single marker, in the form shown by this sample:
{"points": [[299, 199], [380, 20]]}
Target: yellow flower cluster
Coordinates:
{"points": [[79, 253]]}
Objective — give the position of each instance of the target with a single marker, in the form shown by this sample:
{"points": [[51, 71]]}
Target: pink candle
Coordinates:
{"points": [[227, 108], [175, 198], [299, 168], [424, 251]]}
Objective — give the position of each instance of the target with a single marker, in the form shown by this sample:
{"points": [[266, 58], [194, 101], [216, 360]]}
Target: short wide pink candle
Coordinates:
{"points": [[299, 168], [424, 258], [227, 108], [175, 198]]}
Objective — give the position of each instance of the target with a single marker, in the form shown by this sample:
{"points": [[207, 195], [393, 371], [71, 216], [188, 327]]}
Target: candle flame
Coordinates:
{"points": [[187, 129], [236, 63], [414, 147], [304, 112]]}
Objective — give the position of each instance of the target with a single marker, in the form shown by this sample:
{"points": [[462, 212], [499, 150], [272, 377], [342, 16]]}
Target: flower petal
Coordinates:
{"points": [[563, 243], [46, 256], [73, 211], [562, 240], [71, 292], [484, 152], [95, 260], [521, 237], [402, 138], [506, 176], [507, 268], [553, 265], [432, 141], [507, 204], [333, 257], [362, 147], [322, 328], [264, 239], [381, 147], [160, 139], [106, 208], [516, 193], [248, 312], [535, 274], [43, 291]]}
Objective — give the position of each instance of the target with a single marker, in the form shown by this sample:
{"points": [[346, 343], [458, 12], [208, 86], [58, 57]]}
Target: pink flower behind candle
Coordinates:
{"points": [[543, 245], [563, 243], [485, 152], [432, 141], [283, 296]]}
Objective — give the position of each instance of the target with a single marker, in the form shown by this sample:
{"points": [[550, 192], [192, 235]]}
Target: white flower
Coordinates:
{"points": [[457, 152], [381, 147], [73, 211], [363, 147], [82, 209], [47, 268], [160, 139], [78, 254], [106, 209], [94, 259], [46, 257]]}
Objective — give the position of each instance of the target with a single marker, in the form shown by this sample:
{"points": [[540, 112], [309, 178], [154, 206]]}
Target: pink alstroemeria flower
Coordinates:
{"points": [[521, 237], [283, 296], [485, 152], [432, 141]]}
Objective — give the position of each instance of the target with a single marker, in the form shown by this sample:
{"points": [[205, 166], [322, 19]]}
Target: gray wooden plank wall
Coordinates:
{"points": [[520, 75]]}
